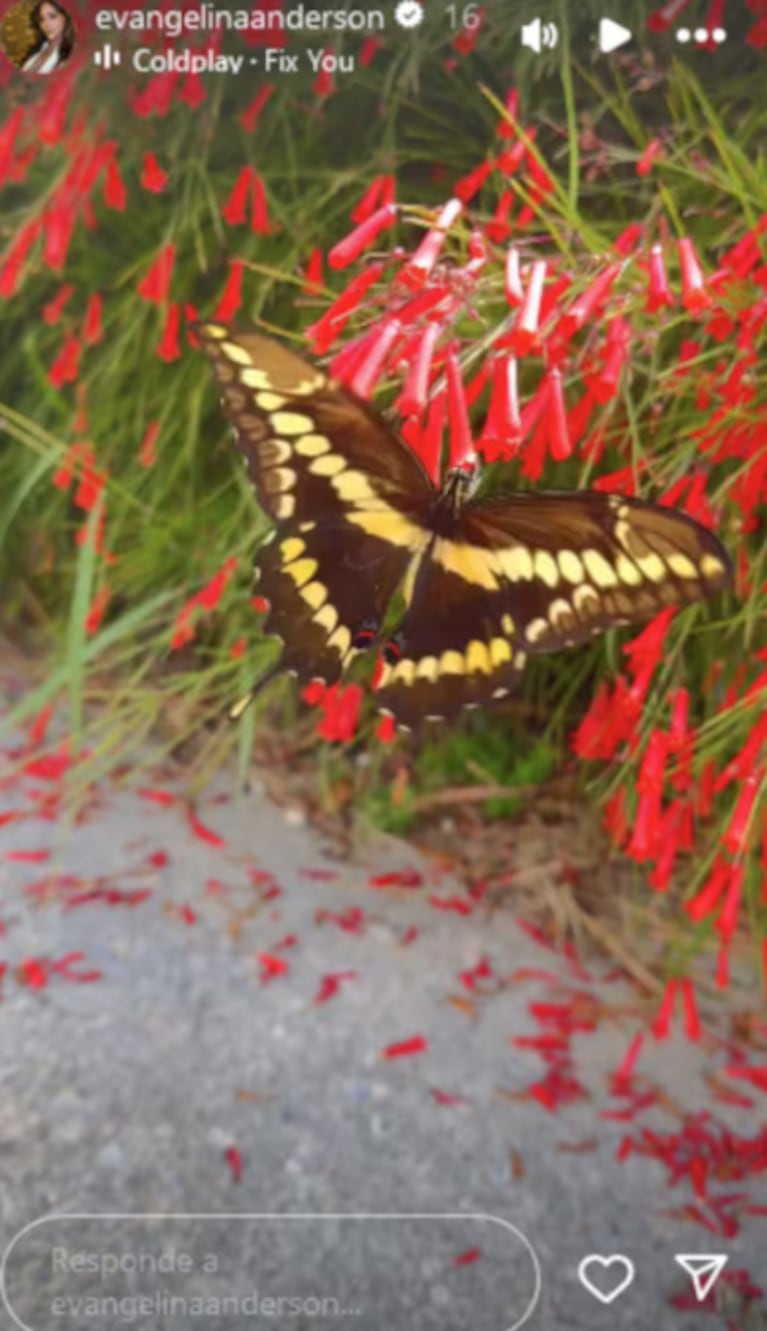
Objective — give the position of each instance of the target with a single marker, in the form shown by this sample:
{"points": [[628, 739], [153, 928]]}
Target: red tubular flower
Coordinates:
{"points": [[192, 90], [371, 199], [324, 83], [350, 248], [604, 385], [502, 431], [644, 165], [645, 651], [587, 303], [66, 366], [419, 266], [53, 310], [169, 348], [499, 226], [324, 332], [507, 126], [59, 226], [661, 19], [153, 178], [629, 239], [690, 1010], [739, 826], [645, 836], [378, 347], [526, 335], [658, 290], [252, 113], [462, 451], [471, 184], [559, 437], [155, 285], [92, 332], [728, 915], [115, 193], [694, 294], [707, 899], [669, 841], [156, 96], [515, 293], [96, 611], [259, 216], [235, 209], [8, 135], [414, 395], [661, 1027], [147, 454], [231, 296], [313, 280]]}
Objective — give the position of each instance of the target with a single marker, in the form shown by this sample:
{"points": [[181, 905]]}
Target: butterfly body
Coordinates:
{"points": [[455, 590]]}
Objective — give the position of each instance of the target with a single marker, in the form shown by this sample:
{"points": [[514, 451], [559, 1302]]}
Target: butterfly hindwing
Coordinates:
{"points": [[535, 573]]}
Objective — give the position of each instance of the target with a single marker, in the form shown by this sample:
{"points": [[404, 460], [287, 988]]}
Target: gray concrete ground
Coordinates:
{"points": [[129, 1093]]}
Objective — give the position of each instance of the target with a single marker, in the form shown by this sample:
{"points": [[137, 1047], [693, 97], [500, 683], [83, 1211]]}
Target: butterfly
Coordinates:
{"points": [[455, 591]]}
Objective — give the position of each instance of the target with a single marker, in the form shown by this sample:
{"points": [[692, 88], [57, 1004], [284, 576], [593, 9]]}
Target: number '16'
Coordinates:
{"points": [[465, 17]]}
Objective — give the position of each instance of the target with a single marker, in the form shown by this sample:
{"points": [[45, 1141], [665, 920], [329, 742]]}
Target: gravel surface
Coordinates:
{"points": [[197, 1075]]}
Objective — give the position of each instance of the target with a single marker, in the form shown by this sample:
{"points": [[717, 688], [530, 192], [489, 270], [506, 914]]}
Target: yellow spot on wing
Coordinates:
{"points": [[326, 617], [428, 668], [284, 507], [516, 563], [570, 566], [477, 657], [451, 663], [230, 349], [291, 549], [330, 465], [341, 640], [546, 568], [255, 378], [711, 567], [312, 445], [353, 487], [682, 566], [500, 651], [404, 671], [303, 570], [627, 571], [598, 569], [291, 422], [315, 595], [507, 623], [469, 562], [270, 401]]}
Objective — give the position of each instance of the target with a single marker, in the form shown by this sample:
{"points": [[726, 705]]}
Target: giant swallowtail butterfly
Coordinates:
{"points": [[363, 536]]}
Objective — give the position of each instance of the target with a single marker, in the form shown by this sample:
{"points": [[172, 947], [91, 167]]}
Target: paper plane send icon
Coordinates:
{"points": [[704, 1269], [612, 35]]}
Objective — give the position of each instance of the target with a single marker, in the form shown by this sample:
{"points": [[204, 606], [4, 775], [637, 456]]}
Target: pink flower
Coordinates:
{"points": [[350, 248]]}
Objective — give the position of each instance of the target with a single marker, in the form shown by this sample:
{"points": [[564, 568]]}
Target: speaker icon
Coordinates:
{"points": [[538, 35], [108, 56]]}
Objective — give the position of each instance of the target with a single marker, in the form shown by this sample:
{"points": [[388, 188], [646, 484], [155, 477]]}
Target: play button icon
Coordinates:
{"points": [[612, 35]]}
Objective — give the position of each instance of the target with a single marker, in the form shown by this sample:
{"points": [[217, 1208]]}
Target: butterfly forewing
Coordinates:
{"points": [[347, 496]]}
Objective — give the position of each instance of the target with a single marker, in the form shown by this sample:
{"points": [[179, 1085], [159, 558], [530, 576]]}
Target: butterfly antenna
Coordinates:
{"points": [[242, 705]]}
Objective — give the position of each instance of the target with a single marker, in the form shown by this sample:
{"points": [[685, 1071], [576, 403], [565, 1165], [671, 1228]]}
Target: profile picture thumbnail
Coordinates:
{"points": [[37, 35]]}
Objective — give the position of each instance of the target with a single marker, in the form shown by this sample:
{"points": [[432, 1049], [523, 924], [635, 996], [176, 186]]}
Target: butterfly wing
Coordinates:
{"points": [[349, 499], [534, 573]]}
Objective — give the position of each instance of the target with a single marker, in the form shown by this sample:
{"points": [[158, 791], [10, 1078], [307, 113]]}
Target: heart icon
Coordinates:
{"points": [[616, 1267]]}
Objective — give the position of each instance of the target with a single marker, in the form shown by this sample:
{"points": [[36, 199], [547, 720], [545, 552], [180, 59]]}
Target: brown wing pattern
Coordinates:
{"points": [[312, 449], [347, 497], [357, 520], [535, 573]]}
